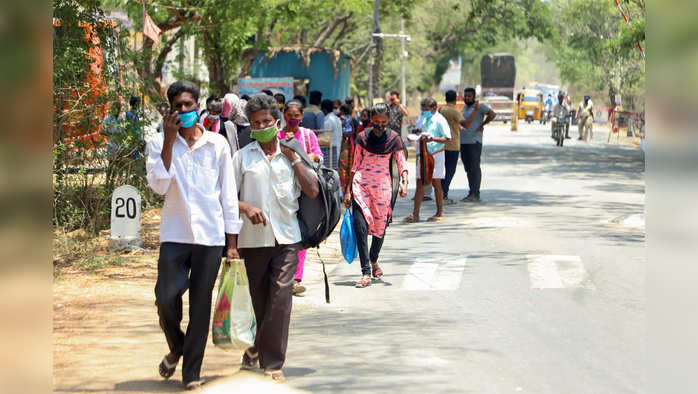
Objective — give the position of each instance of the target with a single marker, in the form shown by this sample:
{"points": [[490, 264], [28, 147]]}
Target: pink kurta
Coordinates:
{"points": [[372, 186], [308, 140]]}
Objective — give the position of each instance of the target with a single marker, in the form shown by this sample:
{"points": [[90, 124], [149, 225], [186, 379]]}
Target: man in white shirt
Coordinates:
{"points": [[334, 124], [193, 168], [270, 179]]}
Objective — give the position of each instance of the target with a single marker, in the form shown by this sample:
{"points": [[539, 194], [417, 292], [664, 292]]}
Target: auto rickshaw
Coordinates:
{"points": [[530, 102]]}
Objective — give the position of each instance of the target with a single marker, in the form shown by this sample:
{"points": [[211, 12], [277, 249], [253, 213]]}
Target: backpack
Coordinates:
{"points": [[317, 217]]}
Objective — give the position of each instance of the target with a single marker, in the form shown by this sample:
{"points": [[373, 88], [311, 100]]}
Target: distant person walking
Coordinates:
{"points": [[313, 118], [397, 112], [334, 125], [270, 179], [193, 169], [475, 116], [435, 132], [235, 126], [372, 188], [453, 117], [585, 117]]}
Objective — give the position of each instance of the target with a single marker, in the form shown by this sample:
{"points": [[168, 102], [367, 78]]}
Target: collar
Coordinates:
{"points": [[254, 145], [205, 138]]}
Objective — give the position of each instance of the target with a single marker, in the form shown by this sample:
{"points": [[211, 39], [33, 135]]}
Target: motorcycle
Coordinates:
{"points": [[559, 129]]}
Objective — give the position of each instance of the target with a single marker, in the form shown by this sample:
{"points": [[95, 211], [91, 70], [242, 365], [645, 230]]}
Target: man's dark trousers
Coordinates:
{"points": [[451, 165], [270, 271], [470, 156], [182, 267]]}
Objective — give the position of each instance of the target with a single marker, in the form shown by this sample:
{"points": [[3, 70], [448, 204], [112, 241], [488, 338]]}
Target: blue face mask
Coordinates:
{"points": [[188, 119], [214, 117], [379, 127], [427, 115]]}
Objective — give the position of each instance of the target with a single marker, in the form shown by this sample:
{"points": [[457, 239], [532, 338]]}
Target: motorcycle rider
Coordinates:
{"points": [[548, 105], [560, 109]]}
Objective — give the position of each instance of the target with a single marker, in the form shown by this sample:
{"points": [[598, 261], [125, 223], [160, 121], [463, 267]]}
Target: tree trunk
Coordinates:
{"points": [[217, 75]]}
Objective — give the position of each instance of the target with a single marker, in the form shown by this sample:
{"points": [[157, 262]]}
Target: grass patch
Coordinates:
{"points": [[96, 263]]}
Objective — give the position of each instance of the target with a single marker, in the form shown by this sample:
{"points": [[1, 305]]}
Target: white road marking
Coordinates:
{"points": [[556, 272], [430, 274]]}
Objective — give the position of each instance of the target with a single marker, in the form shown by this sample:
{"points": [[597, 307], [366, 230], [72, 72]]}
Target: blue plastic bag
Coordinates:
{"points": [[347, 237]]}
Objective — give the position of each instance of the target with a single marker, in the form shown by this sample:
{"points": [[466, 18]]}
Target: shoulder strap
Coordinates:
{"points": [[294, 145], [471, 118]]}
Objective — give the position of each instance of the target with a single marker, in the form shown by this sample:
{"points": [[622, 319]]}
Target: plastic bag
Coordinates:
{"points": [[347, 237], [234, 325]]}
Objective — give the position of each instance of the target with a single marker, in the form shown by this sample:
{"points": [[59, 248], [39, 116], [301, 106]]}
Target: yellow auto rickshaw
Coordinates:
{"points": [[530, 102]]}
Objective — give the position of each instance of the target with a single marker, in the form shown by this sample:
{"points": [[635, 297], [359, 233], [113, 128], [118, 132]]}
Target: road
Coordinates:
{"points": [[538, 288]]}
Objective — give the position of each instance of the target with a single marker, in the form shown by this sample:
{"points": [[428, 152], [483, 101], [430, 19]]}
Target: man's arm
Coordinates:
{"points": [[403, 109], [306, 178], [229, 202], [158, 174], [490, 117]]}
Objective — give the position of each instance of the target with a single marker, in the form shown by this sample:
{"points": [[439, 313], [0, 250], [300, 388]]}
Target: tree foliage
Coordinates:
{"points": [[596, 51]]}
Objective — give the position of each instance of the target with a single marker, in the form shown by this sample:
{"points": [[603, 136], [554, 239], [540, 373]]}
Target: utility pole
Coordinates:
{"points": [[403, 88], [376, 63]]}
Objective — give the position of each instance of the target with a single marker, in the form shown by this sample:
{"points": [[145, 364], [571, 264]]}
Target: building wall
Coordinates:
{"points": [[320, 72]]}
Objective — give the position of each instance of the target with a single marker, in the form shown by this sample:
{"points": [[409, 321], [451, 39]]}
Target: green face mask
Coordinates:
{"points": [[266, 135]]}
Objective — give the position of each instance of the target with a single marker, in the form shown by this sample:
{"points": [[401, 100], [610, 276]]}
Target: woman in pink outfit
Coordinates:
{"points": [[293, 114], [378, 171]]}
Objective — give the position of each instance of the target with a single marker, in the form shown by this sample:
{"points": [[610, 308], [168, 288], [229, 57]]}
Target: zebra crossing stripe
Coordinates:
{"points": [[430, 274], [557, 272]]}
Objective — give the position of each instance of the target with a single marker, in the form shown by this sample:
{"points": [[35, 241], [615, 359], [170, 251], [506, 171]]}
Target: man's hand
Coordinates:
{"points": [[481, 128], [289, 153], [231, 254], [255, 215], [314, 157], [347, 200], [403, 187], [171, 125]]}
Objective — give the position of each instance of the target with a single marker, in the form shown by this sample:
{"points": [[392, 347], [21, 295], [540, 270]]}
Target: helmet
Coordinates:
{"points": [[561, 95], [587, 98]]}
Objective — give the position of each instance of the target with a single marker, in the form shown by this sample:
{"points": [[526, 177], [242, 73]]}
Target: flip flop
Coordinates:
{"points": [[365, 281], [377, 272], [276, 375], [436, 219], [410, 219], [249, 360], [193, 385], [166, 369]]}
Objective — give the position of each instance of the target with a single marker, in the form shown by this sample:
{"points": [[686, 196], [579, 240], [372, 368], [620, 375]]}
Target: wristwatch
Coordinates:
{"points": [[298, 160]]}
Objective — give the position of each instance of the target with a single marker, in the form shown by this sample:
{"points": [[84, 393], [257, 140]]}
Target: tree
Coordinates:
{"points": [[596, 50]]}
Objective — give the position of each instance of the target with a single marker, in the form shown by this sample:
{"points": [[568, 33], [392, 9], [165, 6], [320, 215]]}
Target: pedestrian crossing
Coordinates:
{"points": [[544, 272], [430, 274], [557, 272]]}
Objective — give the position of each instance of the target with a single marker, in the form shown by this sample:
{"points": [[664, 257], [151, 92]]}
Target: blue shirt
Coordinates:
{"points": [[471, 135], [436, 126]]}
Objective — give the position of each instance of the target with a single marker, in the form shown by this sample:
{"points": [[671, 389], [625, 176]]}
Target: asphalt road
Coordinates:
{"points": [[538, 288]]}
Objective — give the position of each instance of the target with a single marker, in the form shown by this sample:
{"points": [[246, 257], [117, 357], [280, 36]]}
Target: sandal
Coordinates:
{"points": [[249, 360], [298, 288], [436, 218], [411, 219], [276, 375], [166, 369], [377, 272], [365, 281], [193, 385]]}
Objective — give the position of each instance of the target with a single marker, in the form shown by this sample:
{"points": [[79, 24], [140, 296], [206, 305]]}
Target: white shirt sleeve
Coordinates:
{"points": [[159, 178], [229, 193]]}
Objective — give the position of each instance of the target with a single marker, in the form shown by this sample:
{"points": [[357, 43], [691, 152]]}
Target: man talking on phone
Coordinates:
{"points": [[192, 167]]}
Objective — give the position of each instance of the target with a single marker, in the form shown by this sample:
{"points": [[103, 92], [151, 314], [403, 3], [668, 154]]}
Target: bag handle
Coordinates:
{"points": [[295, 146]]}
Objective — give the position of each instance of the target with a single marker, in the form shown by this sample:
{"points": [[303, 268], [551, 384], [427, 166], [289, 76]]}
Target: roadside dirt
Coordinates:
{"points": [[106, 336]]}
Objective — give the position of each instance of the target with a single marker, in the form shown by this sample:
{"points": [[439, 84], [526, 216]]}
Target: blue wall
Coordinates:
{"points": [[320, 72]]}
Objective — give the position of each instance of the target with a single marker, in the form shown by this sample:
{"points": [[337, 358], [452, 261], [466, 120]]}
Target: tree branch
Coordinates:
{"points": [[160, 62], [450, 37], [331, 27]]}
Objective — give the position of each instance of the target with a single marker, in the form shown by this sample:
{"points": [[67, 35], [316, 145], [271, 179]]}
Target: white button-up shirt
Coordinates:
{"points": [[272, 186], [201, 200]]}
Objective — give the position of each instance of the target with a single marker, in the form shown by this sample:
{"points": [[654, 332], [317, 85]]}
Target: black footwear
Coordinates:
{"points": [[427, 198], [471, 198], [249, 360]]}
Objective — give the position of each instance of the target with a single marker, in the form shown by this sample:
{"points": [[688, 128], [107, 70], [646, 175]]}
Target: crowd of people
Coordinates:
{"points": [[231, 191]]}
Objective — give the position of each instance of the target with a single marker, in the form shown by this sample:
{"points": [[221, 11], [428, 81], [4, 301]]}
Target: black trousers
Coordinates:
{"points": [[451, 165], [182, 267], [470, 156], [361, 232], [270, 272]]}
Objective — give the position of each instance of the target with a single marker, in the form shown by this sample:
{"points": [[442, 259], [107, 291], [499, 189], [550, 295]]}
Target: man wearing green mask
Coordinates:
{"points": [[270, 180], [193, 169]]}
